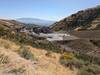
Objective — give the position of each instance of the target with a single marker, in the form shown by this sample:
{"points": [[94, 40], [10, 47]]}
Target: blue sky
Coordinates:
{"points": [[43, 9]]}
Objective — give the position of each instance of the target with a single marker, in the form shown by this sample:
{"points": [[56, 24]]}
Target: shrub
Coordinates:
{"points": [[67, 55], [90, 70], [74, 63], [3, 59], [97, 60], [18, 71], [69, 59], [84, 57], [26, 53], [49, 53], [49, 46], [84, 73]]}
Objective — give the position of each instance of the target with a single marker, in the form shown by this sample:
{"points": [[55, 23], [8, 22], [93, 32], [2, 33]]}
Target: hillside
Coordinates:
{"points": [[22, 53], [85, 25], [88, 19], [12, 61], [10, 24], [12, 34]]}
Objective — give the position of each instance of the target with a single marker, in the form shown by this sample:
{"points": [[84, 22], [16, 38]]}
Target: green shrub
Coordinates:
{"points": [[70, 59], [84, 73], [49, 46], [84, 57], [75, 63], [90, 70], [97, 60]]}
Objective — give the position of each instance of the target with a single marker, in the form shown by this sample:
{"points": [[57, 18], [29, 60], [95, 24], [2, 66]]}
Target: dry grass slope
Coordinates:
{"points": [[14, 64]]}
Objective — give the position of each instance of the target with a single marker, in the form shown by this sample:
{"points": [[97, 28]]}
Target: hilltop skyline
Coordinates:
{"points": [[43, 9]]}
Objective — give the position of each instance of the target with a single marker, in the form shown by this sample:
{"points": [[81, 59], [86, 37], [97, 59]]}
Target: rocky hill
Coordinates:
{"points": [[88, 19]]}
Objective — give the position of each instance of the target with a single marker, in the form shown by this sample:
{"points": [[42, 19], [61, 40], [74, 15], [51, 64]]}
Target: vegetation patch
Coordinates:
{"points": [[26, 53], [27, 39], [3, 59], [18, 71], [90, 70]]}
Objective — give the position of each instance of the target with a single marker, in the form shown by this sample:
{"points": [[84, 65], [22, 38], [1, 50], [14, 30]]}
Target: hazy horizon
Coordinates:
{"points": [[43, 9]]}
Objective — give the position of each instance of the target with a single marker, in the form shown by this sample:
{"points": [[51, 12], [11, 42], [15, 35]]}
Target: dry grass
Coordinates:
{"points": [[43, 65], [8, 44], [50, 65], [16, 65]]}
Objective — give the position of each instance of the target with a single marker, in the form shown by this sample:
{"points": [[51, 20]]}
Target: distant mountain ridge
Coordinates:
{"points": [[35, 21], [88, 19]]}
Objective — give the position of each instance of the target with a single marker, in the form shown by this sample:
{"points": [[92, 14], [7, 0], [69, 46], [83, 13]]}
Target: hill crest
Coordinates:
{"points": [[88, 19]]}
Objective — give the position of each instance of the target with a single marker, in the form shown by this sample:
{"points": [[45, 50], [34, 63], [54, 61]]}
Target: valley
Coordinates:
{"points": [[68, 47]]}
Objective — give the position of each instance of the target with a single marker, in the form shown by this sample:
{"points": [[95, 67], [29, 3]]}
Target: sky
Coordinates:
{"points": [[43, 9]]}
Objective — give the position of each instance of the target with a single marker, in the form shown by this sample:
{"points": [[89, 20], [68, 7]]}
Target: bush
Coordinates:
{"points": [[84, 73], [3, 59], [97, 60], [84, 57], [49, 46], [69, 59], [18, 71], [90, 70], [75, 63], [67, 56], [26, 53], [48, 54]]}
